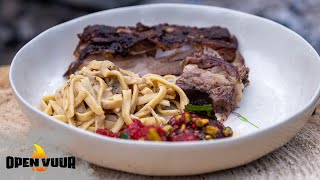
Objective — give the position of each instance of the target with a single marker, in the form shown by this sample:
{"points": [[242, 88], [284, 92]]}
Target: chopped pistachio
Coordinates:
{"points": [[187, 117], [202, 122], [153, 135], [178, 117], [167, 128], [227, 131], [208, 137], [183, 127], [212, 130]]}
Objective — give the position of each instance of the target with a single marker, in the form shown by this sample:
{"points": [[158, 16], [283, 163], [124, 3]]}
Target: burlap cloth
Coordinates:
{"points": [[298, 159]]}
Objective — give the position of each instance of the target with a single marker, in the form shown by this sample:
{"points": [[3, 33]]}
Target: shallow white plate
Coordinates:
{"points": [[284, 89]]}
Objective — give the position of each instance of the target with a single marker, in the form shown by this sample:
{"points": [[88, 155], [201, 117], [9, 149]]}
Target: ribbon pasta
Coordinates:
{"points": [[103, 96]]}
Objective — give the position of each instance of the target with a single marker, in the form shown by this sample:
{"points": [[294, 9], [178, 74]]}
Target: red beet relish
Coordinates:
{"points": [[184, 127]]}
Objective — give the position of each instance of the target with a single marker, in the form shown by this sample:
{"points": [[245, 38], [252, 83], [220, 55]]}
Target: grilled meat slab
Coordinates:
{"points": [[111, 42], [209, 79], [211, 67]]}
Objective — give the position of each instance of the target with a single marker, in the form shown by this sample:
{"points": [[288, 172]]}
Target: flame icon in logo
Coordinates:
{"points": [[39, 153]]}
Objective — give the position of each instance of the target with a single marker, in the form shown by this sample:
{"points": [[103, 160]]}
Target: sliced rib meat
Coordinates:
{"points": [[110, 42], [208, 79]]}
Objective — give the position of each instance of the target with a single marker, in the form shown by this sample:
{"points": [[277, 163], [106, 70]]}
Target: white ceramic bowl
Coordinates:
{"points": [[284, 89]]}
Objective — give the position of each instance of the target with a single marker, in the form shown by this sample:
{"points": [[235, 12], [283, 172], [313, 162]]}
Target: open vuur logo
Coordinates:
{"points": [[40, 162]]}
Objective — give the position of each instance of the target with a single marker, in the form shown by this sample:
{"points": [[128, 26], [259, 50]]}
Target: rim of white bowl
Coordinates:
{"points": [[188, 144]]}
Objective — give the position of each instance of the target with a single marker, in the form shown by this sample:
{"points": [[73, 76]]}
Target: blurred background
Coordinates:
{"points": [[21, 20]]}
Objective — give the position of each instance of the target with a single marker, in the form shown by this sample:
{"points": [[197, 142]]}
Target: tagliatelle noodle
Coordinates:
{"points": [[102, 96]]}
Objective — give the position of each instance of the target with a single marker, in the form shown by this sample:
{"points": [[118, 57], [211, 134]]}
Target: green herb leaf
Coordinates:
{"points": [[201, 108], [244, 119], [207, 107]]}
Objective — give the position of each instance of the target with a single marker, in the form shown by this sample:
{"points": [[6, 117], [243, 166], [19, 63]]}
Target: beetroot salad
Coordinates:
{"points": [[187, 126]]}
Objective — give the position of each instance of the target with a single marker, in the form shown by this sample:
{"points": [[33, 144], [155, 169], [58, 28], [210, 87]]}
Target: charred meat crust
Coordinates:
{"points": [[243, 71], [207, 61], [110, 41]]}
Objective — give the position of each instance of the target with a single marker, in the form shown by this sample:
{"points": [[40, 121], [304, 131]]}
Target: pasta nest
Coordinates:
{"points": [[103, 96]]}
